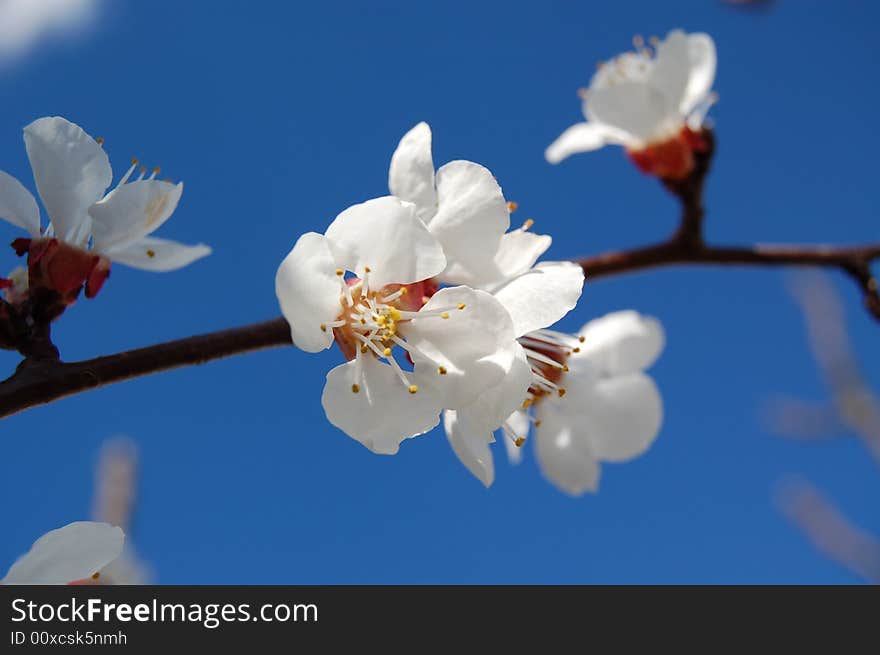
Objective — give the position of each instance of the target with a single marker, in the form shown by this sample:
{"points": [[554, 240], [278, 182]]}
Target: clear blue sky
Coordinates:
{"points": [[279, 115]]}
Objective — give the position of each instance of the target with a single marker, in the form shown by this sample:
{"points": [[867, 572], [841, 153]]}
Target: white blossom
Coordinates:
{"points": [[363, 283], [610, 410], [641, 101], [72, 173], [74, 553]]}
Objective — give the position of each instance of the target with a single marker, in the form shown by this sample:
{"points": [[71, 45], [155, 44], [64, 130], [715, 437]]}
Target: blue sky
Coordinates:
{"points": [[279, 115]]}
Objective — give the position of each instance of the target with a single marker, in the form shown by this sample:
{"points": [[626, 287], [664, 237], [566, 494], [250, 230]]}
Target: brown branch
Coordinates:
{"points": [[42, 377], [37, 382], [855, 261]]}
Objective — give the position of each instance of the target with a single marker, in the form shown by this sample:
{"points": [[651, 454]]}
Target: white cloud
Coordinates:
{"points": [[25, 23]]}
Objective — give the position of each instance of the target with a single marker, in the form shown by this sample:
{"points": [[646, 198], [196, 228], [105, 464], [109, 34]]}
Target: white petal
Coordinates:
{"points": [[386, 236], [496, 403], [701, 49], [472, 216], [519, 250], [132, 211], [71, 170], [567, 464], [309, 291], [539, 298], [517, 253], [520, 424], [411, 176], [580, 137], [672, 68], [74, 552], [638, 109], [618, 418], [472, 449], [383, 412], [474, 345], [160, 255], [17, 205], [620, 342]]}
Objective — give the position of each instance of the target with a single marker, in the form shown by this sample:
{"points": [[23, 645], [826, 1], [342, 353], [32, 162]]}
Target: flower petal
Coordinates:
{"points": [[618, 418], [383, 412], [472, 216], [672, 67], [580, 137], [74, 552], [542, 296], [569, 465], [475, 346], [620, 342], [309, 291], [495, 404], [703, 62], [17, 205], [385, 235], [160, 255], [71, 171], [519, 250], [472, 449], [132, 211], [638, 109], [411, 175]]}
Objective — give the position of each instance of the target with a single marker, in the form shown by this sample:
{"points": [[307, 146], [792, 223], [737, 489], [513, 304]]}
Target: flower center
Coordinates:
{"points": [[547, 352], [370, 321]]}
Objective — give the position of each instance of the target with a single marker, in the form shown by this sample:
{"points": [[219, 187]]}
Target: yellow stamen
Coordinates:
{"points": [[151, 253], [512, 206], [444, 315], [100, 140], [386, 352], [355, 388], [96, 575], [413, 388], [366, 269], [442, 370], [339, 271], [461, 305], [576, 350], [582, 339], [323, 327], [134, 161], [561, 392], [537, 424], [519, 441], [528, 223]]}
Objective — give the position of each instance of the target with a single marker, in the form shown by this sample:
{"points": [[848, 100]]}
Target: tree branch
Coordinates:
{"points": [[855, 261], [42, 378], [37, 382]]}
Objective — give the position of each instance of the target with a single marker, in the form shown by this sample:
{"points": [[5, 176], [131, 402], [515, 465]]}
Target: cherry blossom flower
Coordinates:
{"points": [[88, 229], [654, 106], [73, 554], [367, 283], [463, 206], [611, 410]]}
